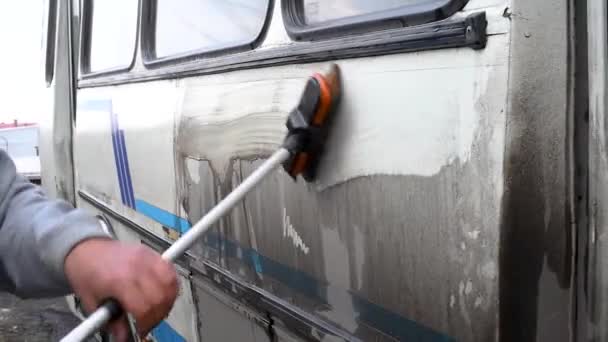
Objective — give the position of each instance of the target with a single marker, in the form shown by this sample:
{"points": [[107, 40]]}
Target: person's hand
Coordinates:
{"points": [[144, 284]]}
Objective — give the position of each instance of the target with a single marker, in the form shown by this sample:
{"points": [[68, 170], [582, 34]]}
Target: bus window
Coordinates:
{"points": [[317, 11], [112, 26], [321, 19], [197, 26]]}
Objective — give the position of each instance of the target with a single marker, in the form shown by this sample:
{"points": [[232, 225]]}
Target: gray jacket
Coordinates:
{"points": [[36, 234]]}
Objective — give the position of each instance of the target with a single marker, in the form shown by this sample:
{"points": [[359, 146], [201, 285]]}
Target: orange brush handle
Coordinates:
{"points": [[324, 101]]}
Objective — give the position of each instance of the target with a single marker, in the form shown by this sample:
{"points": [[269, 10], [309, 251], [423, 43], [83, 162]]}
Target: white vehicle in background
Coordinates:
{"points": [[463, 194], [20, 141]]}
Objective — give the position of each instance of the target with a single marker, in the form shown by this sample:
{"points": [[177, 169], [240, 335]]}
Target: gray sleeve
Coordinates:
{"points": [[36, 234]]}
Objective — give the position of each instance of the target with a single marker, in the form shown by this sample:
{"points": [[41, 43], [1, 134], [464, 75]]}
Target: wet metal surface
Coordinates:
{"points": [[34, 320], [595, 291], [536, 232], [333, 248]]}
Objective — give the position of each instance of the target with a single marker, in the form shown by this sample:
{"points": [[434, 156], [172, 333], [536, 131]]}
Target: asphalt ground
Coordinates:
{"points": [[34, 320]]}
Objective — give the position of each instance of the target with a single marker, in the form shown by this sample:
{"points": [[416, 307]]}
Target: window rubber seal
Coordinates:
{"points": [[148, 32], [457, 32], [404, 16], [85, 43]]}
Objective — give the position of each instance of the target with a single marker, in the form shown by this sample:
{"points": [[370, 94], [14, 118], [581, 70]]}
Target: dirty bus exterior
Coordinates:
{"points": [[451, 203]]}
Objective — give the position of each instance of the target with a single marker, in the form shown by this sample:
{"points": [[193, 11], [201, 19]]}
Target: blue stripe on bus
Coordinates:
{"points": [[128, 183], [165, 333], [161, 216], [106, 106], [118, 157]]}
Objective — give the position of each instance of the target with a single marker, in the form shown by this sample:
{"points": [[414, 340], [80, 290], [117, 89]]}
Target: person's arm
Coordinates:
{"points": [[36, 235], [48, 248]]}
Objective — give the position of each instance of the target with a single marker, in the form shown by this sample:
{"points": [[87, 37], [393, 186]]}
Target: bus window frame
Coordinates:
{"points": [[148, 41], [401, 17], [49, 41], [86, 20], [466, 30]]}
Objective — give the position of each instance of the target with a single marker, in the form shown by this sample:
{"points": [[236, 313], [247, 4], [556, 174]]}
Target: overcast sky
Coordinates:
{"points": [[21, 77]]}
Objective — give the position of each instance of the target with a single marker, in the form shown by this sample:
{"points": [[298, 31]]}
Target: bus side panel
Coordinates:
{"points": [[403, 220], [537, 229], [398, 238], [401, 228], [596, 280], [106, 174], [221, 318]]}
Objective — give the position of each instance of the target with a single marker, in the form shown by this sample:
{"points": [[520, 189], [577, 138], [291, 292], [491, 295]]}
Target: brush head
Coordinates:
{"points": [[309, 124]]}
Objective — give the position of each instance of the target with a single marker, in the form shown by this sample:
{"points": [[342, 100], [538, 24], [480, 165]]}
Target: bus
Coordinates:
{"points": [[462, 196]]}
